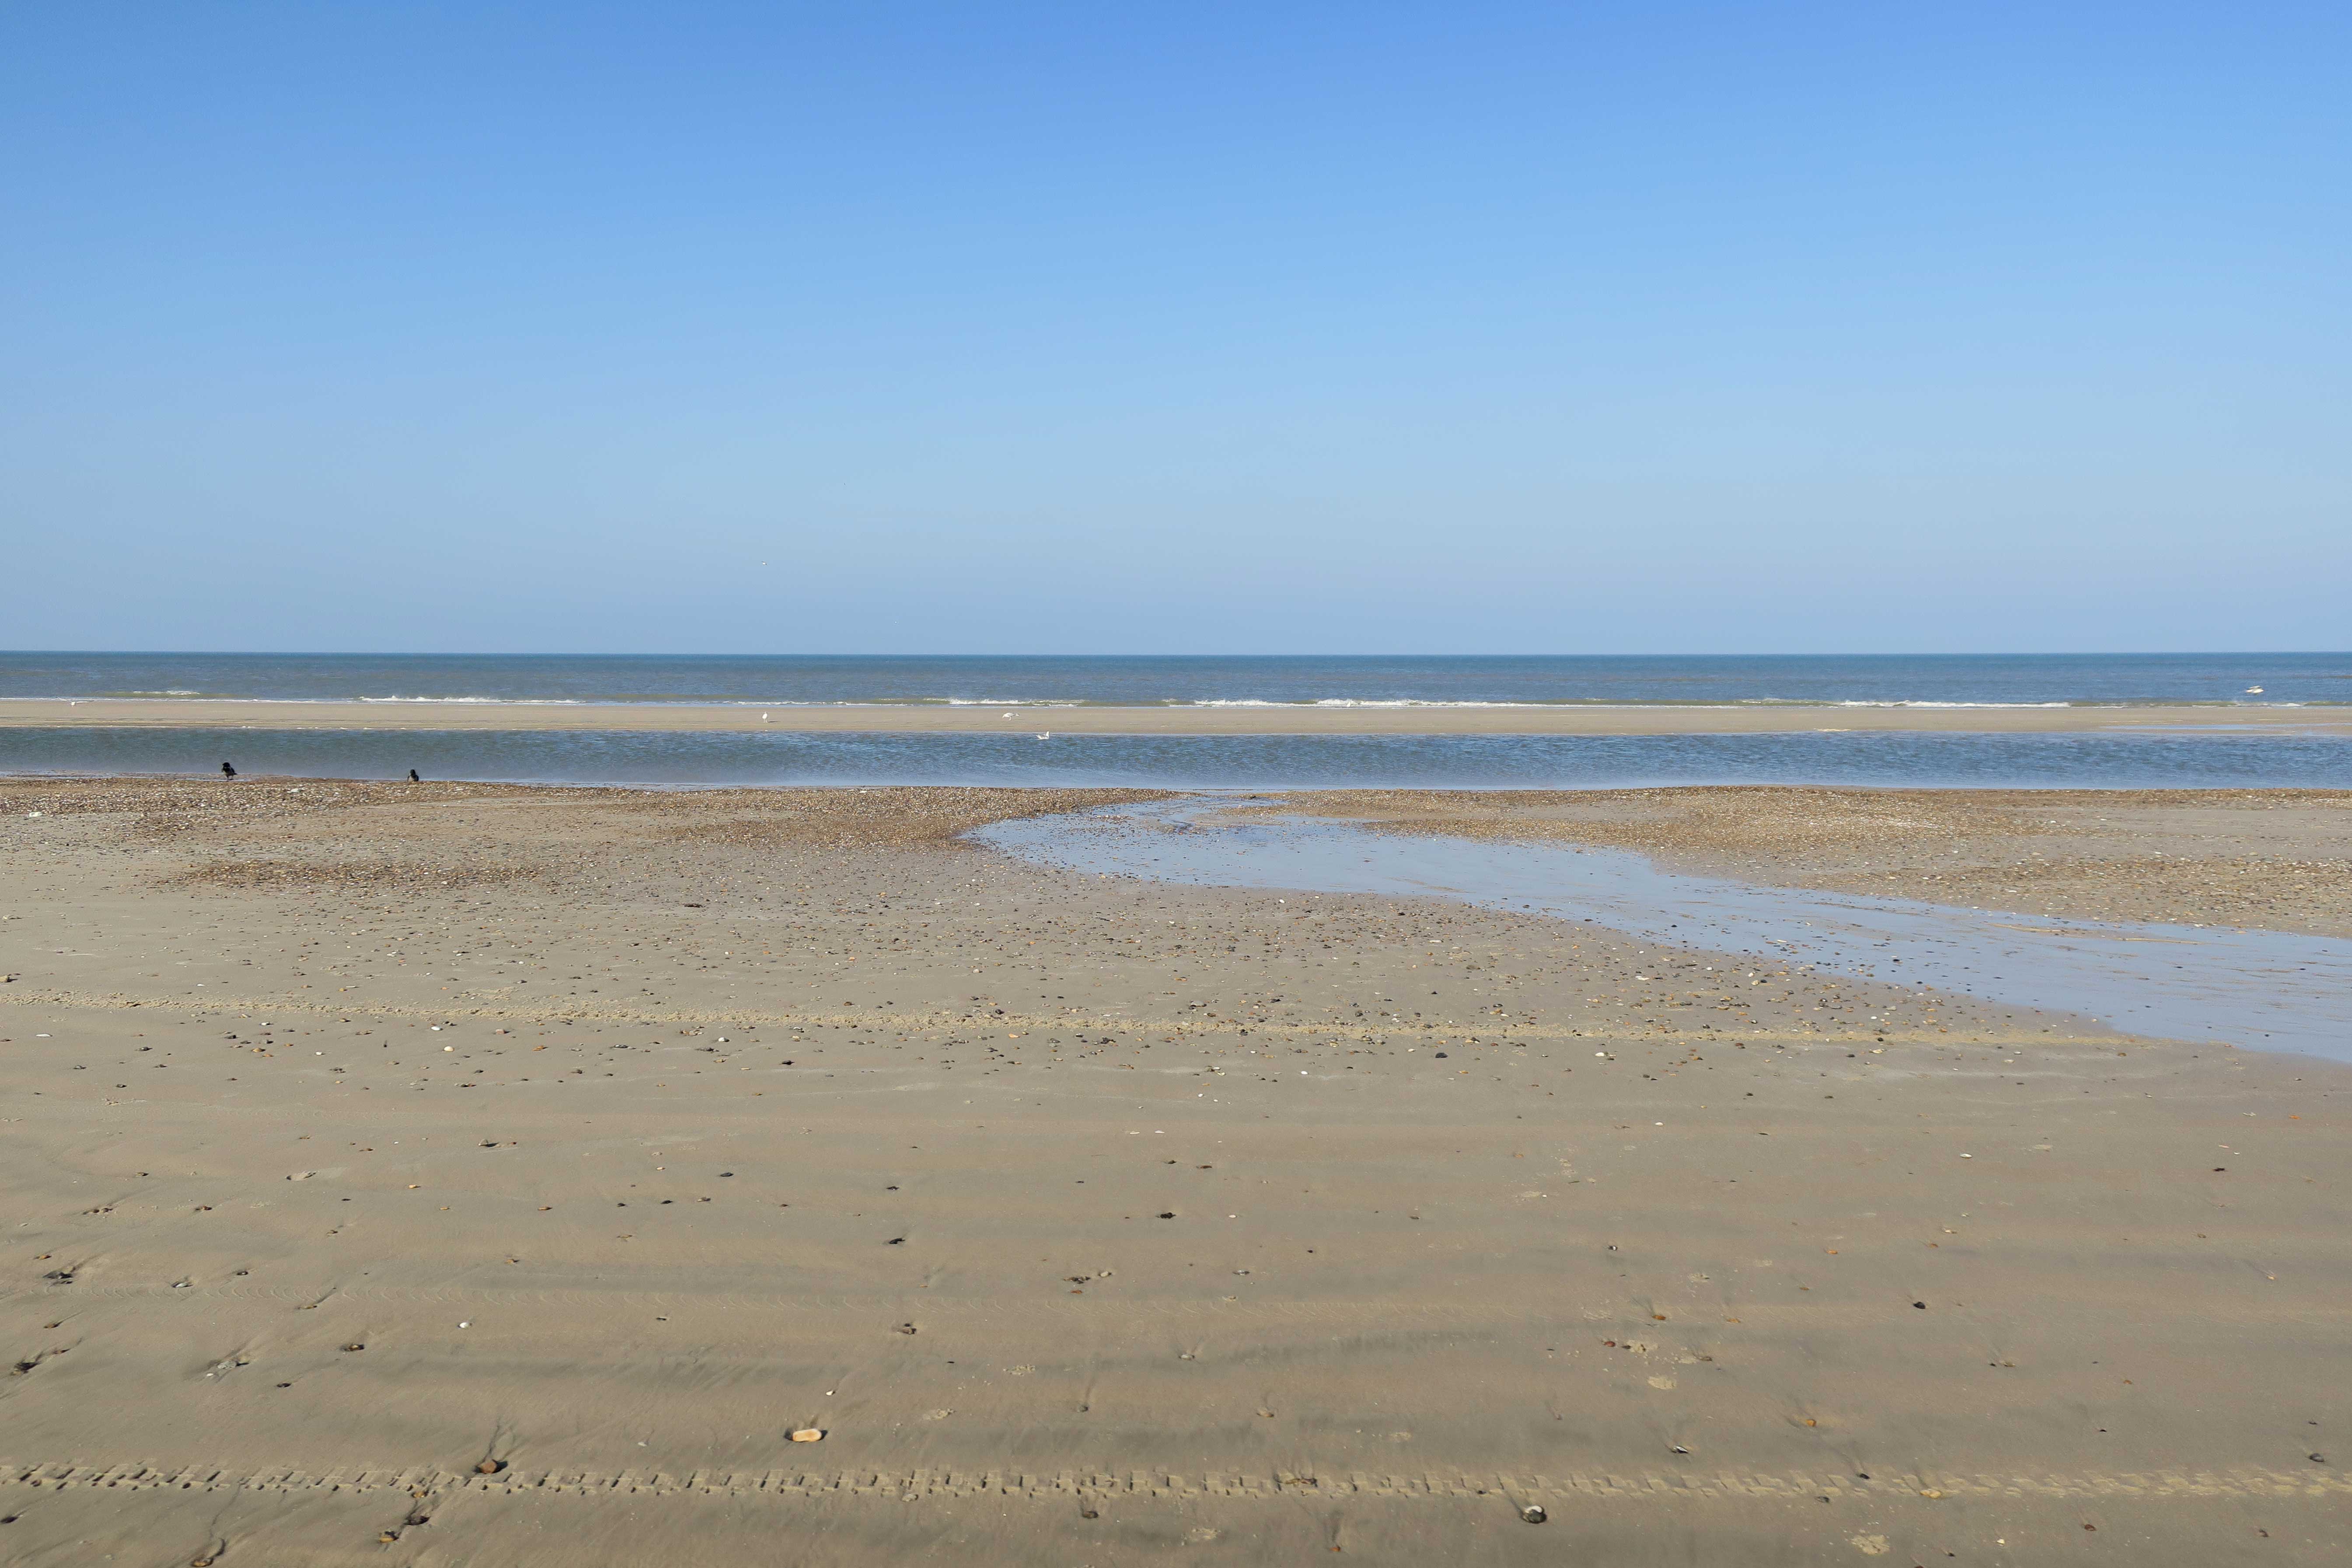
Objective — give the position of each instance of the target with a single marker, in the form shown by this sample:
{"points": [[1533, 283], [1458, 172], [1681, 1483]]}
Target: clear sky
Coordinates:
{"points": [[1175, 328]]}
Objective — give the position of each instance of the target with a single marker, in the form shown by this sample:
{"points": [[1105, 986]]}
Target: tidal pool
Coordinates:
{"points": [[2258, 989]]}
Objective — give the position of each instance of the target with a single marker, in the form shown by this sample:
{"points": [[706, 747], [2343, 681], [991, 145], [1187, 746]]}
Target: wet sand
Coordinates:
{"points": [[1092, 1221], [2276, 859], [166, 713]]}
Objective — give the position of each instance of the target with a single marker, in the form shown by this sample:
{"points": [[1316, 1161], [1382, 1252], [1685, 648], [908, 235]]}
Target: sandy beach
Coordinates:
{"points": [[1104, 1221], [1285, 719], [2275, 860]]}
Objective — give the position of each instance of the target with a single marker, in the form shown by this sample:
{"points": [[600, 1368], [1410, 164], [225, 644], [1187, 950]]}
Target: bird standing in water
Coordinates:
{"points": [[227, 771]]}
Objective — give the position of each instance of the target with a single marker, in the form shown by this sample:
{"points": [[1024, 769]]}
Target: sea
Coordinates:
{"points": [[1962, 680], [2211, 753]]}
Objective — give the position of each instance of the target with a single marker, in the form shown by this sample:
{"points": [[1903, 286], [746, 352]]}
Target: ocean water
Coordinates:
{"points": [[2222, 681], [2153, 760], [1997, 680]]}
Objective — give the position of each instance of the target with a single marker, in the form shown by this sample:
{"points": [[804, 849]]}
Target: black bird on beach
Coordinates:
{"points": [[227, 771], [413, 778]]}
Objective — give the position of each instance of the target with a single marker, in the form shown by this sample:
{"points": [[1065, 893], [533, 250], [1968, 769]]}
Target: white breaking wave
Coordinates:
{"points": [[1350, 702]]}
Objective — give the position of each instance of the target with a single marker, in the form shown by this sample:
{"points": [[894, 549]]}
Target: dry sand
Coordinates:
{"points": [[1093, 1221], [168, 713]]}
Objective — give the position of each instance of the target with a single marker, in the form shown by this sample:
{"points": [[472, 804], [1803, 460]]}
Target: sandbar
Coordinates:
{"points": [[182, 713]]}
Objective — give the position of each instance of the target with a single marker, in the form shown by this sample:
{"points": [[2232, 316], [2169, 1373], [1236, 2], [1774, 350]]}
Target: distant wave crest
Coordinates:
{"points": [[503, 701], [998, 703], [1344, 702]]}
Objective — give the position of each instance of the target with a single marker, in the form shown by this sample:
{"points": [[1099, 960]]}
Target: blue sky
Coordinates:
{"points": [[995, 328]]}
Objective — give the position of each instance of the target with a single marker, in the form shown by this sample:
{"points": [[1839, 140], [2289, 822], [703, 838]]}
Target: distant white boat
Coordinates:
{"points": [[2254, 691]]}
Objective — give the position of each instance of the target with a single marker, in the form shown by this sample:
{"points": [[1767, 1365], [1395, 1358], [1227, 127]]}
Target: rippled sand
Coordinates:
{"points": [[361, 1137]]}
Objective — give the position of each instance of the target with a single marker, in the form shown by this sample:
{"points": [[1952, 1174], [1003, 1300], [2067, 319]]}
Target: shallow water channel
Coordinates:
{"points": [[2260, 989]]}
